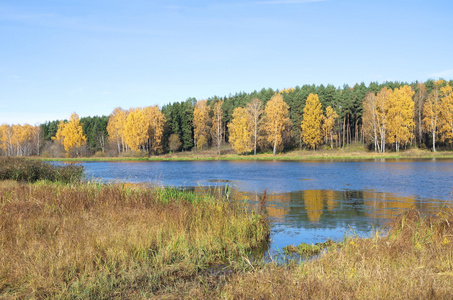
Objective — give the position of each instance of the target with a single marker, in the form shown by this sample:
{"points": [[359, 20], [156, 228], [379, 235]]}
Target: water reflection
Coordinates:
{"points": [[312, 216]]}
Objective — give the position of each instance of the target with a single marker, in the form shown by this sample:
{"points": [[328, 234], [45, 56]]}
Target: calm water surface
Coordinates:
{"points": [[306, 201]]}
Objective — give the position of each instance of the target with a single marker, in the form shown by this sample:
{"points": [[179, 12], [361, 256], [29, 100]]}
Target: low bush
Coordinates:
{"points": [[21, 169]]}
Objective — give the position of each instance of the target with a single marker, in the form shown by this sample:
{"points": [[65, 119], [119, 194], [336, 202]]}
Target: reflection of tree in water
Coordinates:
{"points": [[386, 205], [278, 205], [313, 200], [327, 208], [354, 199], [331, 197]]}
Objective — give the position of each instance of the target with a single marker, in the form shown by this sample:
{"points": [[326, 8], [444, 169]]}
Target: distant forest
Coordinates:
{"points": [[350, 114]]}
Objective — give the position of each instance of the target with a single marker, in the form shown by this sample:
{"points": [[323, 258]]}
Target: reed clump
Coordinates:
{"points": [[307, 250], [22, 169], [89, 240]]}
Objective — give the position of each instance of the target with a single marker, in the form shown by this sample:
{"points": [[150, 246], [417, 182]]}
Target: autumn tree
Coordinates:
{"points": [[400, 117], [254, 112], [382, 105], [116, 128], [311, 123], [20, 140], [431, 110], [446, 115], [6, 139], [200, 123], [369, 119], [217, 126], [136, 129], [70, 135], [240, 133], [277, 122], [328, 124], [174, 142], [156, 121]]}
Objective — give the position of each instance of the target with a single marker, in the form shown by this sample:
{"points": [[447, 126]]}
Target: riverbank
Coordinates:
{"points": [[349, 154], [413, 261], [96, 241]]}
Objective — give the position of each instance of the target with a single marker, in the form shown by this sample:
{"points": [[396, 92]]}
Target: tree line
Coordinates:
{"points": [[388, 116]]}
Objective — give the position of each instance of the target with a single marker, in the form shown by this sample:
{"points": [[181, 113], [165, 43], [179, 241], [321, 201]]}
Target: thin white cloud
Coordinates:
{"points": [[287, 1], [444, 73]]}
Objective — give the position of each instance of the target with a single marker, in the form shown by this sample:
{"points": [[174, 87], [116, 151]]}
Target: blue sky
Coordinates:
{"points": [[90, 56]]}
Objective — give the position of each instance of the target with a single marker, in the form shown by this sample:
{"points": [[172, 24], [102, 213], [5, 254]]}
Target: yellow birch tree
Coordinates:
{"points": [[70, 134], [370, 129], [446, 115], [311, 123], [200, 123], [6, 138], [240, 133], [328, 124], [116, 126], [136, 129], [156, 127], [276, 121], [382, 106], [400, 117], [254, 111]]}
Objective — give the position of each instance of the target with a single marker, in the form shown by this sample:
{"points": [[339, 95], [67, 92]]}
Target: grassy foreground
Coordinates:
{"points": [[125, 241], [413, 261], [88, 240]]}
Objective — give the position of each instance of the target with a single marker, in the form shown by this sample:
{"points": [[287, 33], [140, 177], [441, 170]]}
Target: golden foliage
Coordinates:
{"points": [[136, 129], [70, 134], [19, 139], [200, 123], [400, 117], [286, 91], [328, 124], [116, 127], [311, 123], [240, 131], [254, 111], [277, 121], [375, 111], [446, 123], [156, 122]]}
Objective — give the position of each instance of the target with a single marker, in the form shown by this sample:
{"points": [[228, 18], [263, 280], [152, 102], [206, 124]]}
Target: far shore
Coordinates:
{"points": [[348, 154]]}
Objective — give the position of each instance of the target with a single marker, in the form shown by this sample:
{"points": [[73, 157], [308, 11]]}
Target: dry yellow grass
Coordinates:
{"points": [[414, 261], [103, 241]]}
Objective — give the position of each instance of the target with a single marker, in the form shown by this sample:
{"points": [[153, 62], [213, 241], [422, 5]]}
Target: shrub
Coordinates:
{"points": [[21, 169]]}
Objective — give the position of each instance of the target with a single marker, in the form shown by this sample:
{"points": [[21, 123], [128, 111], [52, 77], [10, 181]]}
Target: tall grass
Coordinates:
{"points": [[115, 241], [414, 260], [21, 169]]}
